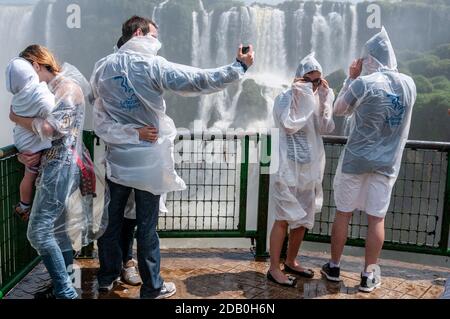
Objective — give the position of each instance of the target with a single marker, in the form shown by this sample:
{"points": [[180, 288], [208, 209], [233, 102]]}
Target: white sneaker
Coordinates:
{"points": [[168, 290], [446, 294], [130, 273]]}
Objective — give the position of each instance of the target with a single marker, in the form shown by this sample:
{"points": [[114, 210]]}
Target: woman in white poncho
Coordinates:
{"points": [[302, 114]]}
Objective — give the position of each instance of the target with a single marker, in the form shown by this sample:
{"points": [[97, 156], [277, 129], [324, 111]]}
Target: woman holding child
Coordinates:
{"points": [[59, 171]]}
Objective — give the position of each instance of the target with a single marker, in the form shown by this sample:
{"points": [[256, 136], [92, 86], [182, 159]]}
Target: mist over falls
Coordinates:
{"points": [[207, 33]]}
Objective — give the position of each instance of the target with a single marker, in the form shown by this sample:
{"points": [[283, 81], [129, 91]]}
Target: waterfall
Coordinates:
{"points": [[298, 25], [320, 39], [353, 54], [195, 40], [270, 45], [224, 47], [265, 29], [333, 34], [337, 41], [156, 15], [48, 26], [246, 21], [201, 37], [14, 35], [204, 46]]}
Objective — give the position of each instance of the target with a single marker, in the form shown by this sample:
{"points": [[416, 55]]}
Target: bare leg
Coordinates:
{"points": [[339, 235], [277, 236], [375, 240], [26, 187], [295, 240]]}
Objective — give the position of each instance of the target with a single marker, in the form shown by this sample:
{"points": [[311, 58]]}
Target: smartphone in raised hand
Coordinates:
{"points": [[245, 50]]}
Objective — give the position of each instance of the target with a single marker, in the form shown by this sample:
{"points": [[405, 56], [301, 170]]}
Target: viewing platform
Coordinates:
{"points": [[229, 199], [234, 274]]}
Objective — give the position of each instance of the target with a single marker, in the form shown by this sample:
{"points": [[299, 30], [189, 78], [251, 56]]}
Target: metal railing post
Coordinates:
{"points": [[263, 197], [445, 229], [243, 184]]}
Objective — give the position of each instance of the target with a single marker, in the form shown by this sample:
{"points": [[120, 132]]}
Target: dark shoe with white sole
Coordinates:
{"points": [[105, 288], [369, 284], [331, 273]]}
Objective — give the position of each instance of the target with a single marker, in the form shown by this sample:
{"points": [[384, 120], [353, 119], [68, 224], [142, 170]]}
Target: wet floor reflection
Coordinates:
{"points": [[233, 273]]}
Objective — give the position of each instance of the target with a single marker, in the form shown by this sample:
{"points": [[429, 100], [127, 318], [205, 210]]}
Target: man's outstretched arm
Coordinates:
{"points": [[190, 81]]}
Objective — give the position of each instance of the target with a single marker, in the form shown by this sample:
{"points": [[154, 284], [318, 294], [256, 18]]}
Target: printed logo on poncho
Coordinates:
{"points": [[132, 100], [398, 111]]}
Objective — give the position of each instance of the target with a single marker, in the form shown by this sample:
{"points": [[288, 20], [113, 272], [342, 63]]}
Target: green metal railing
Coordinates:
{"points": [[16, 255], [215, 169], [418, 219]]}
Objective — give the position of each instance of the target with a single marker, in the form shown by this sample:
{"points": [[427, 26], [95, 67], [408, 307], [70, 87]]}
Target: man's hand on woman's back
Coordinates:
{"points": [[148, 134]]}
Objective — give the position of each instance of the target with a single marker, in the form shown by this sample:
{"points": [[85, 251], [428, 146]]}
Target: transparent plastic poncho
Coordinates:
{"points": [[70, 200], [128, 87], [378, 106], [302, 117]]}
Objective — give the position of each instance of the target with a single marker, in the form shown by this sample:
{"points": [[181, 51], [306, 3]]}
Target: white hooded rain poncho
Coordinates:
{"points": [[128, 86], [379, 106], [31, 99], [302, 116]]}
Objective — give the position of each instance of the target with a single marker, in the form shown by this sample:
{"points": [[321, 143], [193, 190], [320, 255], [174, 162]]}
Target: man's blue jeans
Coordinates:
{"points": [[148, 253]]}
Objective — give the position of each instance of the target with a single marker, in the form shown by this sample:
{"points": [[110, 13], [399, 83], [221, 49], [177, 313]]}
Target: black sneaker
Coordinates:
{"points": [[46, 293], [369, 285], [105, 288], [331, 273]]}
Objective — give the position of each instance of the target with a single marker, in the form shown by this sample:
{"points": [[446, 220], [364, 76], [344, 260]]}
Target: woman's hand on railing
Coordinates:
{"points": [[29, 159], [148, 134]]}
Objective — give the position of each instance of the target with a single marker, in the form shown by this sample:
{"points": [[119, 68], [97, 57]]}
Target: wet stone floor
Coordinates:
{"points": [[233, 274]]}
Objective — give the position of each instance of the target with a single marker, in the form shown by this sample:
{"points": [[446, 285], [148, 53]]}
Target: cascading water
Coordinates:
{"points": [[298, 24], [280, 38], [270, 43], [320, 40], [354, 34], [265, 28], [195, 40], [48, 26], [156, 15]]}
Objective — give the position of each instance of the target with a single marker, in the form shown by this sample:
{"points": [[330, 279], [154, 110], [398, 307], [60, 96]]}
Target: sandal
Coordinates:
{"points": [[305, 274], [23, 214], [292, 281]]}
